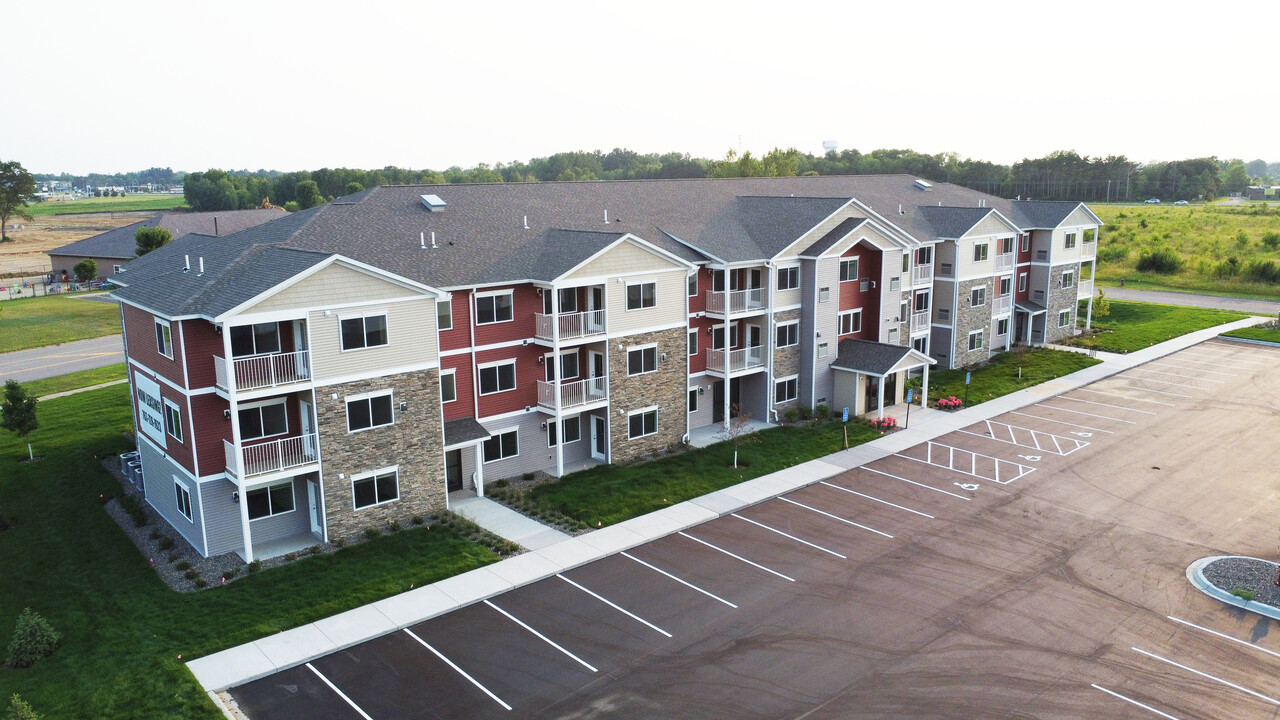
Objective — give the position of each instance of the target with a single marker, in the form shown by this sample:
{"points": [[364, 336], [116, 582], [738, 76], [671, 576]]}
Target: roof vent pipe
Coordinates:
{"points": [[433, 240], [215, 226], [422, 240], [201, 266], [606, 217], [186, 263], [526, 222], [900, 209]]}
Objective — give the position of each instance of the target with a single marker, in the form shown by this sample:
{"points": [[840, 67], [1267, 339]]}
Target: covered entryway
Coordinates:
{"points": [[1029, 320], [463, 456], [866, 376]]}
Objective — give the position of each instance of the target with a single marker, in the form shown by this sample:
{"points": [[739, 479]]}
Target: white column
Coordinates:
{"points": [[479, 469], [880, 398], [924, 388], [245, 533], [559, 371]]}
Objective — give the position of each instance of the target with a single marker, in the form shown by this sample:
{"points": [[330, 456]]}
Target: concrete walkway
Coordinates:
{"points": [[65, 393], [260, 658], [1265, 307], [504, 522], [45, 362]]}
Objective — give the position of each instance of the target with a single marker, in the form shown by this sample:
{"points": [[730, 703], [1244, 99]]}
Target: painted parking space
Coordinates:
{"points": [[299, 693], [1031, 438]]}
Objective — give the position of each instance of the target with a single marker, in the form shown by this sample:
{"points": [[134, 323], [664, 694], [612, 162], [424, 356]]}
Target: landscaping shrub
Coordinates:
{"points": [[254, 566], [1113, 253], [372, 533], [821, 412], [1271, 239], [1163, 261], [33, 638], [1262, 271], [19, 709], [133, 507], [1243, 594], [805, 412], [791, 415]]}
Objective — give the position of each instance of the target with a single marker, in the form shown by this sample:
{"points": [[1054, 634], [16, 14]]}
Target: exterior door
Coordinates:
{"points": [[890, 389], [755, 353], [599, 438], [872, 394], [717, 401], [595, 301], [313, 505], [596, 368], [300, 344], [453, 470], [308, 429]]}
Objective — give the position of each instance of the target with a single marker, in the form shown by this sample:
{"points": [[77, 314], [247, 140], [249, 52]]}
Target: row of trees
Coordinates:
{"points": [[154, 176]]}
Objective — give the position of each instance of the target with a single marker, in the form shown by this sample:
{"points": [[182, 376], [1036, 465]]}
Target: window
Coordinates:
{"points": [[903, 311], [572, 427], [945, 269], [975, 340], [824, 294], [849, 270], [1025, 241], [1069, 278], [1006, 245], [164, 339], [258, 339], [693, 285], [369, 412], [784, 390], [924, 256], [1002, 327], [822, 350], [693, 400], [502, 446], [944, 314], [980, 252], [906, 262], [1022, 282], [788, 278], [787, 334], [115, 269], [642, 360], [717, 336], [717, 281], [1006, 284], [273, 500], [444, 315], [642, 295], [568, 300], [364, 332], [642, 423], [173, 420], [383, 486], [264, 419], [864, 285], [448, 386], [850, 322], [922, 301], [183, 497], [1070, 241], [1064, 318], [498, 377], [978, 296], [568, 366], [495, 308]]}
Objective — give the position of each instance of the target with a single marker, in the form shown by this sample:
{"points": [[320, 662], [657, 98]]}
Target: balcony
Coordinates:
{"points": [[270, 457], [1004, 263], [921, 274], [919, 322], [1084, 290], [574, 393], [261, 371], [736, 301], [571, 325], [751, 358], [1089, 251], [1001, 304]]}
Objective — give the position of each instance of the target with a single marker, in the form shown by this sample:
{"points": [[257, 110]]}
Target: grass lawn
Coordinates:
{"points": [[1008, 372], [75, 380], [608, 494], [1136, 325], [127, 203], [36, 322], [126, 635], [1265, 333]]}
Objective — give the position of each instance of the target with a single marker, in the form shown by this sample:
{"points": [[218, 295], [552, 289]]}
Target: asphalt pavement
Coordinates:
{"points": [[1264, 307], [40, 363]]}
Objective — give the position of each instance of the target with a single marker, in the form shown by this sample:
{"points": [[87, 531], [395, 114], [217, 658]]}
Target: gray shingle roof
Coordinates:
{"points": [[869, 357], [952, 222], [464, 430], [120, 243], [1041, 214]]}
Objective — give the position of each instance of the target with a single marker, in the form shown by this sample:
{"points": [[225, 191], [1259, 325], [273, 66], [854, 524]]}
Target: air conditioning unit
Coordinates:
{"points": [[125, 459], [135, 472]]}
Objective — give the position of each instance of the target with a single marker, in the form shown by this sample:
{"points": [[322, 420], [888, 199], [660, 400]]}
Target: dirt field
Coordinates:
{"points": [[26, 255]]}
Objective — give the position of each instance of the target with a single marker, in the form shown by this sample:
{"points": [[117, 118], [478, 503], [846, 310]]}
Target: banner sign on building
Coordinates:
{"points": [[150, 408]]}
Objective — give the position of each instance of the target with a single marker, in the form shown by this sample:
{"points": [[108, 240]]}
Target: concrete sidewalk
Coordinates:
{"points": [[260, 658], [504, 522]]}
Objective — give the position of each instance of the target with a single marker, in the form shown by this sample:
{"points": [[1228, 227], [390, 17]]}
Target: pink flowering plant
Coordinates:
{"points": [[884, 423], [949, 403]]}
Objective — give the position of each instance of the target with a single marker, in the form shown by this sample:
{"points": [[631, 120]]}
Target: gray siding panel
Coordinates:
{"points": [[287, 524], [222, 516], [158, 478]]}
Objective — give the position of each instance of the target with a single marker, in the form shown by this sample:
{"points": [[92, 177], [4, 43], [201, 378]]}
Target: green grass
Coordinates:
{"points": [[36, 322], [1265, 333], [1136, 325], [1008, 372], [126, 634], [127, 203], [75, 380], [608, 494]]}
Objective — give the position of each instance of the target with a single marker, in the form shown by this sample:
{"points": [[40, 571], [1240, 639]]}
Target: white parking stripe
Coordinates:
{"points": [[913, 482], [341, 694], [1162, 382], [686, 583], [876, 499], [1117, 407], [1188, 377], [737, 557], [1077, 412], [459, 670], [1225, 356], [1063, 422], [835, 517], [1206, 675], [541, 637], [1224, 637], [1195, 369], [1180, 358], [615, 606], [1135, 702], [1158, 392], [1126, 397], [790, 537]]}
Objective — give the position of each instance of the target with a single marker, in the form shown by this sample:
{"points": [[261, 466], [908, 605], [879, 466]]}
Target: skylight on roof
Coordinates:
{"points": [[433, 202], [923, 184]]}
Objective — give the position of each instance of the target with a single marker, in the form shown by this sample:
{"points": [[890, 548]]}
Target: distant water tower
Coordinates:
{"points": [[829, 146]]}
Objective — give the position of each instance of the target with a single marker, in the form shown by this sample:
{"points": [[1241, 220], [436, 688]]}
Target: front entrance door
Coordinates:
{"points": [[453, 470], [890, 389], [755, 350], [1020, 327], [599, 438], [872, 394], [313, 505]]}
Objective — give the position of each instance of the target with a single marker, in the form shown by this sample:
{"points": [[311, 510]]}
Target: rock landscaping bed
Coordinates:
{"points": [[1246, 578]]}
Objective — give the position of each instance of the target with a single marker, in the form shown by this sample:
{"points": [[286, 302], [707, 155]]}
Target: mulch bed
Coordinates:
{"points": [[1258, 576]]}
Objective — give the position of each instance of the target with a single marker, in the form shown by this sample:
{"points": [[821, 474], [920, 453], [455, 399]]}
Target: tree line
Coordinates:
{"points": [[154, 176]]}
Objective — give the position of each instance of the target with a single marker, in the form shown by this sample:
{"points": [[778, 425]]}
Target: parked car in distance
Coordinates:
{"points": [[1181, 202], [1153, 201]]}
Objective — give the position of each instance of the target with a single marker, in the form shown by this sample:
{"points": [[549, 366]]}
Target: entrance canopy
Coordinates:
{"points": [[880, 360]]}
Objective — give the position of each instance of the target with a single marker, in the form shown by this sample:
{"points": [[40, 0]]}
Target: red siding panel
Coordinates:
{"points": [[525, 304], [460, 336], [698, 303], [140, 333], [202, 342], [528, 373], [464, 406], [211, 428]]}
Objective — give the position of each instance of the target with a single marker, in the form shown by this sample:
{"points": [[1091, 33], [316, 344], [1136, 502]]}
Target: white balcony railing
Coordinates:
{"points": [[735, 300], [1084, 289], [271, 456], [1004, 262], [573, 393], [572, 325], [262, 371], [921, 274], [1001, 304], [735, 360], [919, 321], [1088, 251]]}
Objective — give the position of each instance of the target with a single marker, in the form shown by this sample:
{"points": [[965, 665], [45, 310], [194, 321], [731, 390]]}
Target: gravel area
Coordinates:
{"points": [[1258, 576]]}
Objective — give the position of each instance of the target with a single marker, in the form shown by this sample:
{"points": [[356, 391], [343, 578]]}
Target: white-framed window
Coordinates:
{"points": [[1002, 327], [788, 278], [924, 256], [922, 301], [975, 340], [787, 334], [568, 300], [375, 488], [850, 322], [1069, 278], [785, 390], [1006, 284], [978, 296], [372, 410], [444, 315], [257, 339], [717, 281], [849, 269], [1006, 245], [115, 269], [1022, 282], [568, 365], [364, 332], [164, 338], [172, 420], [502, 446], [1024, 242], [496, 377], [182, 497], [1069, 241], [495, 307], [642, 422], [642, 295], [693, 342], [271, 500], [693, 400], [642, 360], [448, 385], [824, 294], [980, 251], [906, 262], [264, 418], [1064, 318], [693, 285], [572, 430], [717, 336], [823, 349], [903, 309]]}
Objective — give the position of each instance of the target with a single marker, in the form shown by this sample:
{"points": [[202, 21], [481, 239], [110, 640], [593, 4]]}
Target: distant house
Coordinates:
{"points": [[1262, 192], [116, 247]]}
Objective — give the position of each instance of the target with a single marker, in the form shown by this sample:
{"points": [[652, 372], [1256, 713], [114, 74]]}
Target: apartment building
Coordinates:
{"points": [[353, 364]]}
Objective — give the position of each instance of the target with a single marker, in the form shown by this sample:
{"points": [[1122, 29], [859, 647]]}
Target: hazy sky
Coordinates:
{"points": [[110, 86]]}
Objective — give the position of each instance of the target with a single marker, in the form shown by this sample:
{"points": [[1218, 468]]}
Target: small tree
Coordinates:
{"points": [[33, 638], [308, 194], [18, 411], [17, 190], [20, 709], [86, 270], [1101, 306], [738, 431], [150, 238]]}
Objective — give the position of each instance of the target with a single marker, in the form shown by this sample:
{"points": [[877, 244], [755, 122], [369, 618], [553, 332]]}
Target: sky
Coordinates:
{"points": [[120, 86]]}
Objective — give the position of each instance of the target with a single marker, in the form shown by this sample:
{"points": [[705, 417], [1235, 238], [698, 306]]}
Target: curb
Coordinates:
{"points": [[1195, 574], [1248, 341]]}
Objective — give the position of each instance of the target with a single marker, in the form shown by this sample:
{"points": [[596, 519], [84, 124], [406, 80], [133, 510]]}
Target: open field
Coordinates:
{"points": [[129, 203], [26, 254], [53, 319], [1135, 325]]}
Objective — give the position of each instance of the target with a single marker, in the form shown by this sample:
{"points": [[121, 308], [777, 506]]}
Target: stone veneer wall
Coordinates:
{"points": [[667, 388], [415, 442], [968, 319], [1061, 298]]}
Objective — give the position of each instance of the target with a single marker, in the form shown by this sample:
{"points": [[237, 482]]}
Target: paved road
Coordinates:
{"points": [[40, 363], [1265, 307]]}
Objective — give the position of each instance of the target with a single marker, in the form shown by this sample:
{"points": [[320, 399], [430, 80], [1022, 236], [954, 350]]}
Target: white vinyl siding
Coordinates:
{"points": [[411, 334]]}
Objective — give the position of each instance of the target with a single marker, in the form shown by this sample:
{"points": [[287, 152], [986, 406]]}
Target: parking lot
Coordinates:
{"points": [[1031, 565]]}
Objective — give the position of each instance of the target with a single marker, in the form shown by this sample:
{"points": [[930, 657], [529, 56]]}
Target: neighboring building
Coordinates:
{"points": [[352, 364], [113, 248], [1262, 192]]}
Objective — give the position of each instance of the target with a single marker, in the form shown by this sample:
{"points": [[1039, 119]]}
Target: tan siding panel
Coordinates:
{"points": [[670, 307], [621, 259], [990, 225], [334, 285], [411, 339]]}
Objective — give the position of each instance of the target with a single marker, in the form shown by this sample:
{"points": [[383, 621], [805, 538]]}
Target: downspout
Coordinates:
{"points": [[727, 350], [558, 368], [771, 336]]}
